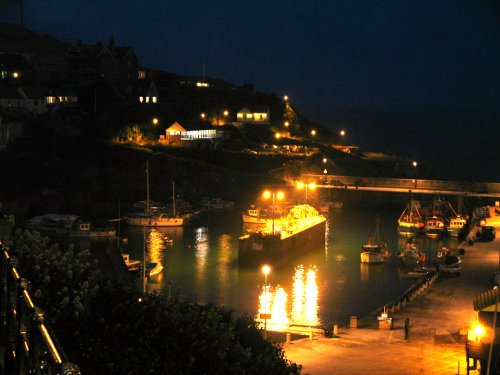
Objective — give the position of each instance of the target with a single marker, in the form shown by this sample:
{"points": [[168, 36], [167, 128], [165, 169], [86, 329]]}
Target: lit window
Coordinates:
{"points": [[264, 115], [155, 99], [51, 99], [141, 99], [141, 74], [147, 99], [249, 115], [239, 115]]}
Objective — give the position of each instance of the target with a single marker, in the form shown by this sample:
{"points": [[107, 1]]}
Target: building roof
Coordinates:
{"points": [[196, 125], [486, 301], [254, 109]]}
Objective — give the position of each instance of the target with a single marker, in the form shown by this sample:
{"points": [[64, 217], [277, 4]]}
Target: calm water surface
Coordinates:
{"points": [[323, 287]]}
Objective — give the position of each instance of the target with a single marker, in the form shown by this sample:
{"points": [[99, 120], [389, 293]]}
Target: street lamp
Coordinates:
{"points": [[285, 98], [203, 115], [265, 270], [306, 186], [275, 195], [415, 166], [155, 121], [313, 133]]}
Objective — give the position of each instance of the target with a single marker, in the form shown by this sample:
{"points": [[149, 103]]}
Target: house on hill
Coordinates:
{"points": [[190, 133], [31, 101], [254, 115]]}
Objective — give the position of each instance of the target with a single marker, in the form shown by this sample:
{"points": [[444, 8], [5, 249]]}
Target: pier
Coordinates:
{"points": [[438, 317], [405, 185]]}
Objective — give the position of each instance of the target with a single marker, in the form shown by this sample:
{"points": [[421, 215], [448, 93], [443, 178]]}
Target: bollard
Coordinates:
{"points": [[353, 322], [311, 335], [288, 337], [335, 330]]}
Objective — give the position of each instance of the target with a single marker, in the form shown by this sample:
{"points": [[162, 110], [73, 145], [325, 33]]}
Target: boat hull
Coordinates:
{"points": [[155, 222], [260, 248], [251, 219], [369, 257]]}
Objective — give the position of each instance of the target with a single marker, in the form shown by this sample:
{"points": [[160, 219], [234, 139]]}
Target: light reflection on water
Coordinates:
{"points": [[323, 287]]}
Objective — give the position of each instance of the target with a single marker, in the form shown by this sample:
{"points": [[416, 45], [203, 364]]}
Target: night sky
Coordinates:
{"points": [[328, 56]]}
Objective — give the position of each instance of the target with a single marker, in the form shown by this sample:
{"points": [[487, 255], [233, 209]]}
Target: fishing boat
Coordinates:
{"points": [[456, 221], [434, 226], [154, 218], [255, 215], [375, 250], [411, 223]]}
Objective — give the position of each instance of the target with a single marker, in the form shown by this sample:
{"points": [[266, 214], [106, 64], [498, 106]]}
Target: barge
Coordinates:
{"points": [[301, 231]]}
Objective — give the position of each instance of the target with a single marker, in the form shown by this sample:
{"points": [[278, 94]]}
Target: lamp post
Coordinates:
{"points": [[275, 195], [415, 166], [313, 133], [306, 186], [265, 270], [490, 352]]}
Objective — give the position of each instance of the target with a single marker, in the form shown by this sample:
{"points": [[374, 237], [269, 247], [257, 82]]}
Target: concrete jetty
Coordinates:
{"points": [[438, 318]]}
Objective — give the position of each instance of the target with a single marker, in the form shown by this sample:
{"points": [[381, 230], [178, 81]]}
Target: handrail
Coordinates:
{"points": [[27, 343]]}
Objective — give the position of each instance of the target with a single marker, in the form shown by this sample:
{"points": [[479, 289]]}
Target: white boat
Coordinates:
{"points": [[255, 215], [456, 222], [375, 250], [149, 218]]}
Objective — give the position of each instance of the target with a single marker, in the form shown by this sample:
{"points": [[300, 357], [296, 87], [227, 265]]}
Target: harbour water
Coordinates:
{"points": [[324, 287]]}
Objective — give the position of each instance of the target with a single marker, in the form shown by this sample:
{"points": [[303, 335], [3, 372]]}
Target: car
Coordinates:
{"points": [[487, 233]]}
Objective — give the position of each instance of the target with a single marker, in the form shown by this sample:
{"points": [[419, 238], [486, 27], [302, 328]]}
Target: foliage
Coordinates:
{"points": [[106, 329]]}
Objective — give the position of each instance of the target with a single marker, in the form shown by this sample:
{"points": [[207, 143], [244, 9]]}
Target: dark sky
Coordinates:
{"points": [[437, 55]]}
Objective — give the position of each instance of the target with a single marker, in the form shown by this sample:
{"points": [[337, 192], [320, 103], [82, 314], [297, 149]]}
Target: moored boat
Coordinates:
{"points": [[255, 215], [455, 226], [375, 250], [411, 256], [411, 223], [434, 226], [153, 218]]}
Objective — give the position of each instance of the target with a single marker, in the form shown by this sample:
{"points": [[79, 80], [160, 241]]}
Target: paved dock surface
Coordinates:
{"points": [[436, 316]]}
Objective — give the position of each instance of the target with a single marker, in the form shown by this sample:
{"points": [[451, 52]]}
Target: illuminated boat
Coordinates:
{"points": [[154, 220], [455, 226], [256, 215], [281, 240], [456, 222], [411, 223], [434, 226], [375, 250]]}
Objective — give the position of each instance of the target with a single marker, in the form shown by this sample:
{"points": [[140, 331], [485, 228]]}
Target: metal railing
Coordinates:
{"points": [[27, 343]]}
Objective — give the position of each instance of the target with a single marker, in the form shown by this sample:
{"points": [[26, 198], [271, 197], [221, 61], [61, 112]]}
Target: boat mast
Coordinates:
{"points": [[148, 208], [173, 197]]}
